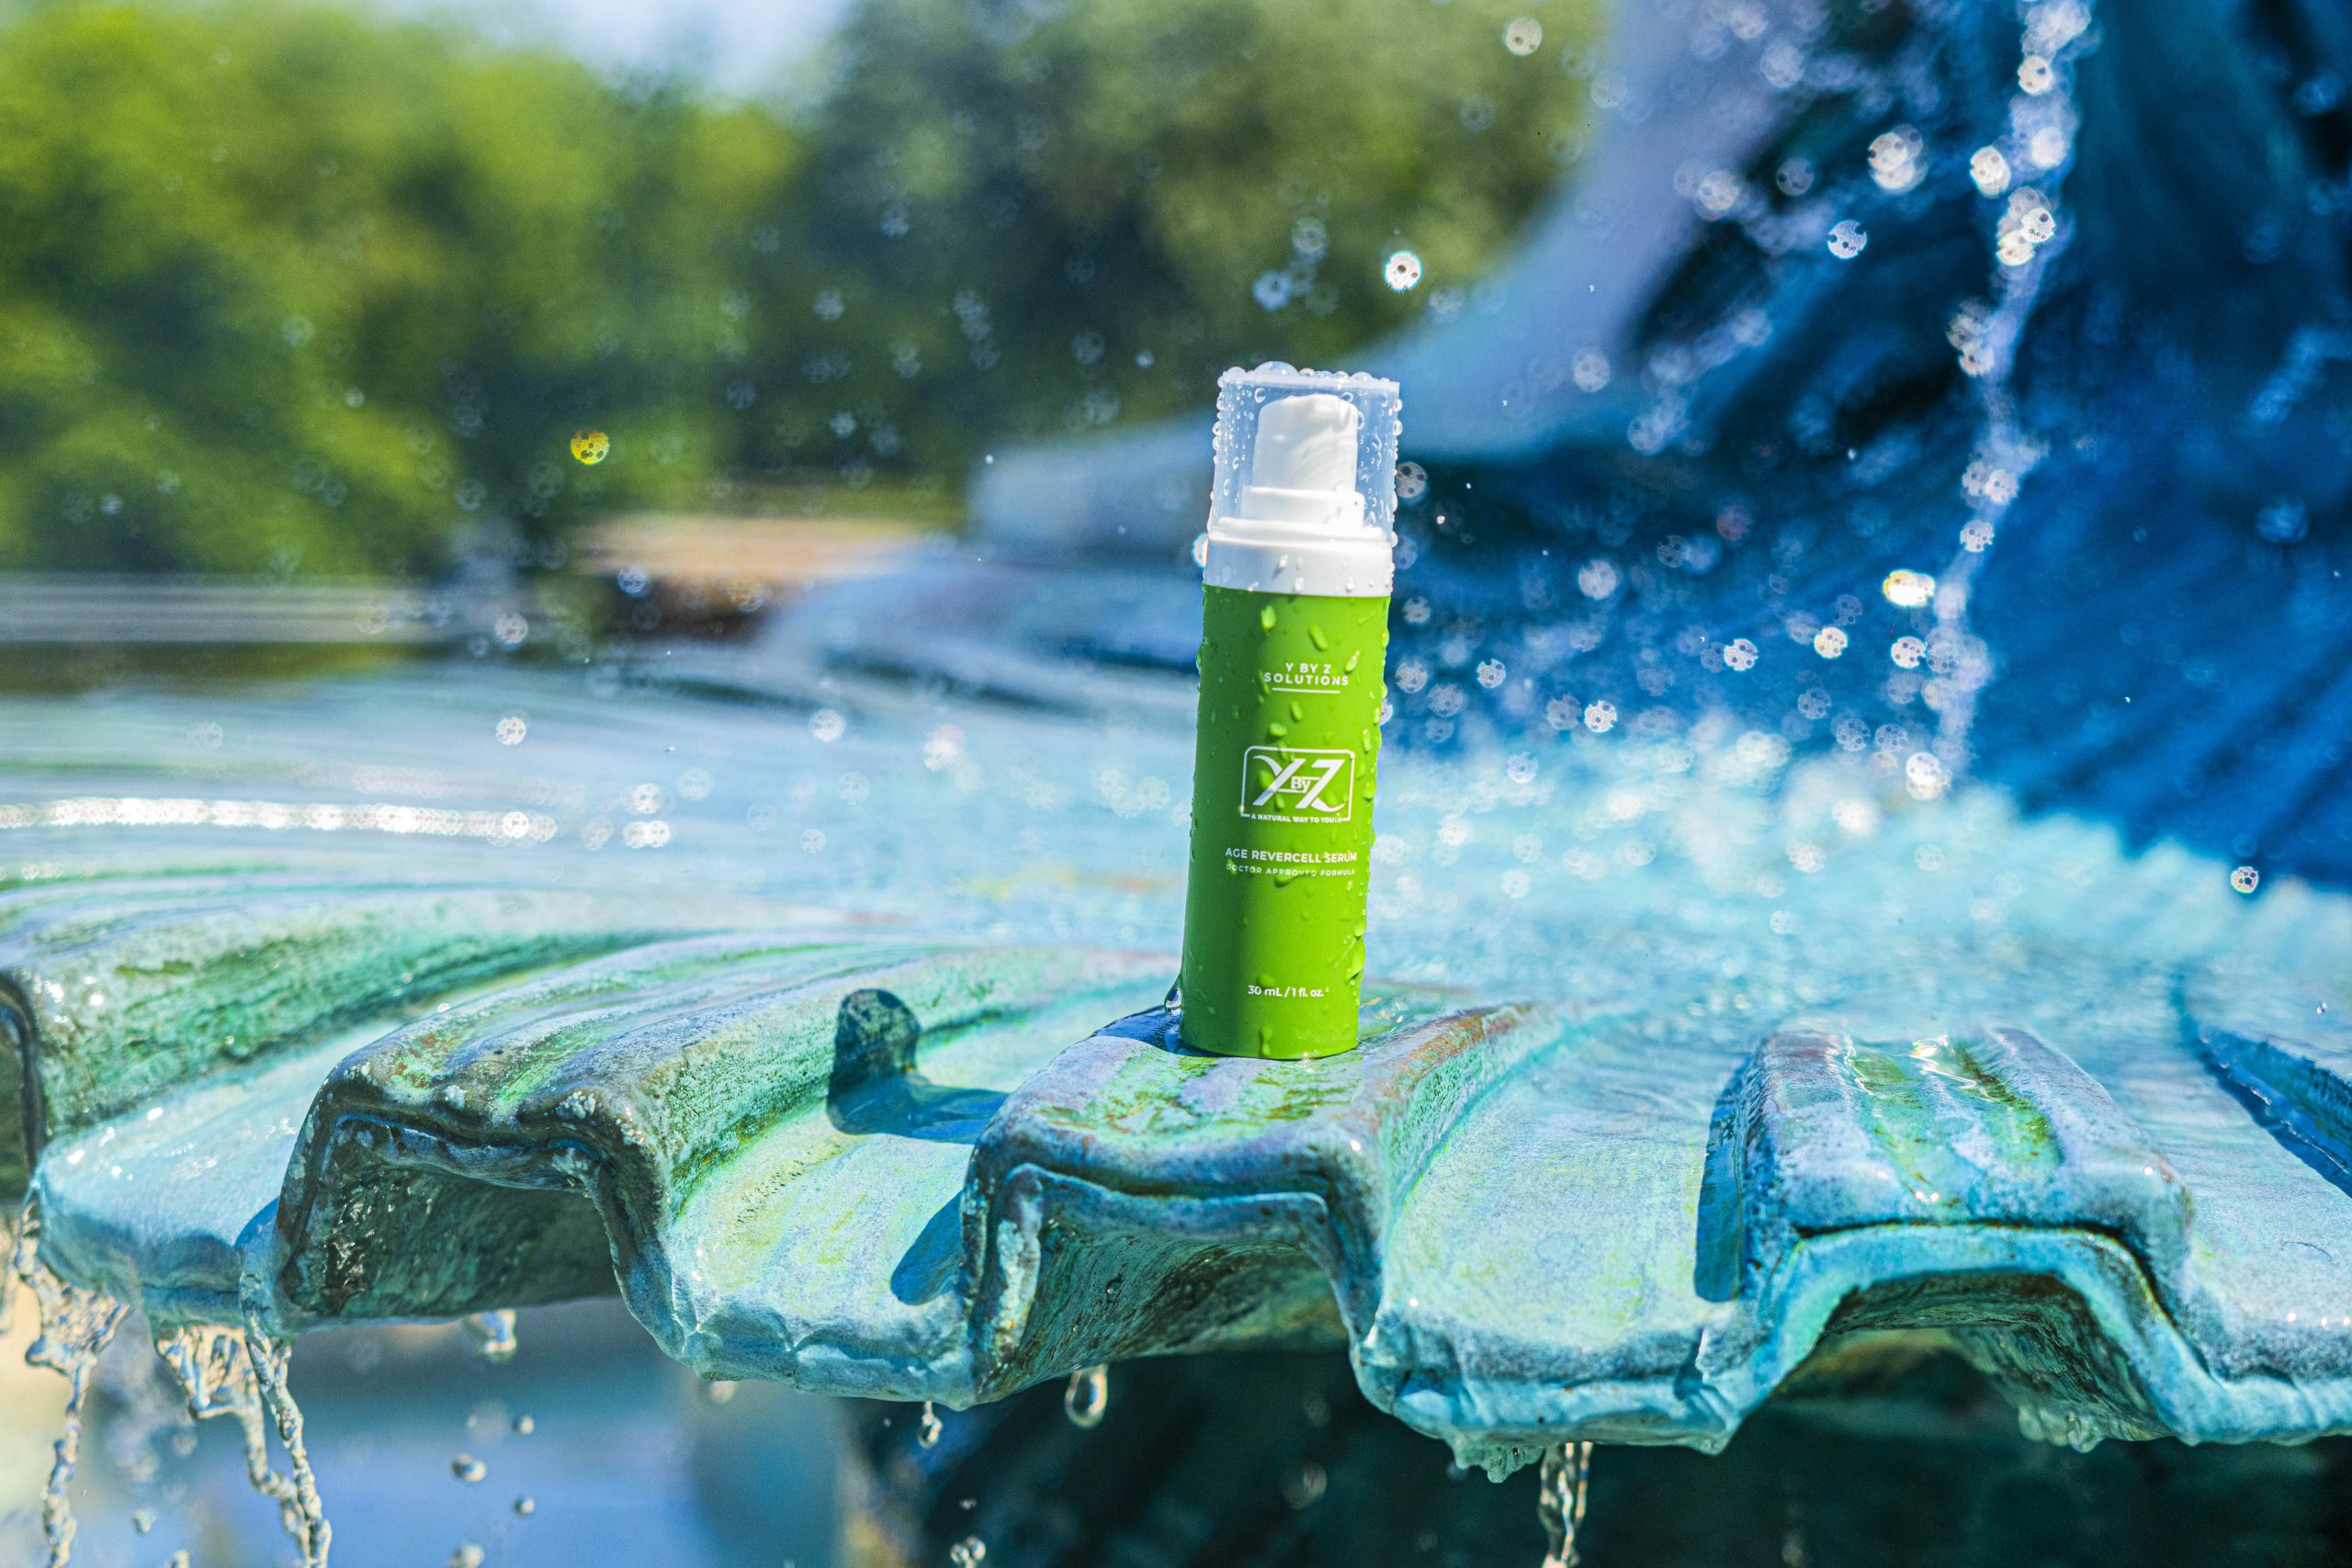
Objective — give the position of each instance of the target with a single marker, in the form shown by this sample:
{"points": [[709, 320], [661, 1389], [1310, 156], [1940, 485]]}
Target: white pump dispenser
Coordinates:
{"points": [[1299, 525]]}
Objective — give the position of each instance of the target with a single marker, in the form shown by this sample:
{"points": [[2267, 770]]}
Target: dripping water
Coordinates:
{"points": [[1560, 1500], [927, 1426], [221, 1372], [75, 1325], [271, 1361], [1087, 1397]]}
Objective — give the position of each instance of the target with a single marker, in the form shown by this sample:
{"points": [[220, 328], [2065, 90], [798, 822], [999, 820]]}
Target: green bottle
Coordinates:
{"points": [[1293, 641]]}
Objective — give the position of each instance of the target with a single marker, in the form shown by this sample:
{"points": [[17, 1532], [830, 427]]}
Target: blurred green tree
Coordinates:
{"points": [[1036, 216], [285, 286], [290, 285]]}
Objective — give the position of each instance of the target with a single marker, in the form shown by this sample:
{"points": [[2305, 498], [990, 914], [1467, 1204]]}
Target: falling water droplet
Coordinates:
{"points": [[1403, 270], [1990, 170], [525, 1508], [2245, 879], [968, 1552], [1523, 36], [927, 1426], [467, 1467], [1087, 1397], [494, 1334], [591, 446], [467, 1556], [1847, 239]]}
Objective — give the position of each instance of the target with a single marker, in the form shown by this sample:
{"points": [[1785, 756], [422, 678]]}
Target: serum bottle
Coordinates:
{"points": [[1299, 562]]}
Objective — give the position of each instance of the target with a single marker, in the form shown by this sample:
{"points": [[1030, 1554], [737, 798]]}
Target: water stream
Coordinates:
{"points": [[1560, 1500], [74, 1326]]}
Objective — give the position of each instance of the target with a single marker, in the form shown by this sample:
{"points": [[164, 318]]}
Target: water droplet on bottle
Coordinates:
{"points": [[1318, 636], [1266, 617]]}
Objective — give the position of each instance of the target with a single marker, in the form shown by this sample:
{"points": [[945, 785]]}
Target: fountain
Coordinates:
{"points": [[1788, 939]]}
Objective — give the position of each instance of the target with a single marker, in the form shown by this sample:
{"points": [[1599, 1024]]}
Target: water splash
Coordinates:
{"points": [[75, 1325], [1087, 1398], [240, 1373], [1560, 1500], [2030, 236]]}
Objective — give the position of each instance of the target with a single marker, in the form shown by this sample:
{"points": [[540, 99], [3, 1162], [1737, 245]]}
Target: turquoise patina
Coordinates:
{"points": [[827, 1025]]}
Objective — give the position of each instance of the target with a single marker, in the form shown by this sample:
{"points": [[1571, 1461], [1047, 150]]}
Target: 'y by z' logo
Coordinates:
{"points": [[1279, 784]]}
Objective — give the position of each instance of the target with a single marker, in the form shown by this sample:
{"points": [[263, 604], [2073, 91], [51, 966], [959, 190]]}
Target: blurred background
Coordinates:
{"points": [[315, 292]]}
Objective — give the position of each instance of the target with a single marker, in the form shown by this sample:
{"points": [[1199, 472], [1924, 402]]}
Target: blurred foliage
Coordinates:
{"points": [[1036, 216], [288, 285]]}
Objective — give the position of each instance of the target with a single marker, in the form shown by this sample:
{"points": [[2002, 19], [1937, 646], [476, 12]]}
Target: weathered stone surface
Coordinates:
{"points": [[866, 1087]]}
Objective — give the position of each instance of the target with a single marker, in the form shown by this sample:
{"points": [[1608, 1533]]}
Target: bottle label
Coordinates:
{"points": [[1283, 784], [1283, 776]]}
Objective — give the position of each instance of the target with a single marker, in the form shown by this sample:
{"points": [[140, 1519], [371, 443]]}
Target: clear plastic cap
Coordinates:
{"points": [[1307, 448]]}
